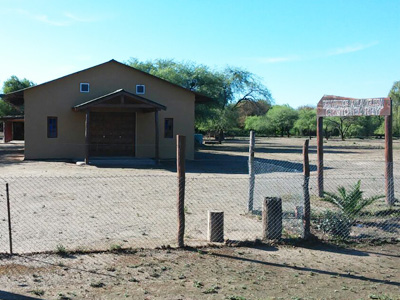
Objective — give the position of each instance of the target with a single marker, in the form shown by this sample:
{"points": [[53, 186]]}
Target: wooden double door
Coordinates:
{"points": [[112, 134]]}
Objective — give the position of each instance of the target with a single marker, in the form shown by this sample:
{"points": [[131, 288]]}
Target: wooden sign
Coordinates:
{"points": [[334, 106]]}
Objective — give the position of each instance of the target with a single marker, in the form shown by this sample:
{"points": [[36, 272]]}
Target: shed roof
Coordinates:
{"points": [[140, 102]]}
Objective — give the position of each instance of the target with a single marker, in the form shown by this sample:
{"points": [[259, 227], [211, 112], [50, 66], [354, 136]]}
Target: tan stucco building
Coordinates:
{"points": [[107, 110]]}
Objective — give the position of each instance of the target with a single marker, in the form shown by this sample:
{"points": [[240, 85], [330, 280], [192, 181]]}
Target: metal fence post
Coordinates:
{"points": [[306, 193], [180, 161], [251, 173]]}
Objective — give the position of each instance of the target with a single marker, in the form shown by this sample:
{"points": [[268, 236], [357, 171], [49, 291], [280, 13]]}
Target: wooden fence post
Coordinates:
{"points": [[180, 165], [9, 219], [389, 184], [251, 173], [272, 218], [306, 193]]}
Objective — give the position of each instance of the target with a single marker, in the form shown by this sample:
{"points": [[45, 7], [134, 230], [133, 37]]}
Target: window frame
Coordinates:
{"points": [[144, 89], [171, 135], [88, 87], [49, 136]]}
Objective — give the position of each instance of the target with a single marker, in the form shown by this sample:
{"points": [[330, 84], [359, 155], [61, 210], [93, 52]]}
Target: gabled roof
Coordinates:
{"points": [[17, 96], [140, 102]]}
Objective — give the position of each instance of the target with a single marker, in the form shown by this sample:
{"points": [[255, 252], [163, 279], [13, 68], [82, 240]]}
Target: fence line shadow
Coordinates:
{"points": [[306, 269], [11, 296]]}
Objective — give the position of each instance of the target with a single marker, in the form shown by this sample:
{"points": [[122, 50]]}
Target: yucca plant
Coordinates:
{"points": [[350, 202]]}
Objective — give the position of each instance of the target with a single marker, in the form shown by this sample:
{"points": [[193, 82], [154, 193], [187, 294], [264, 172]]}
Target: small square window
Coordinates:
{"points": [[84, 88], [169, 128], [51, 127], [140, 89]]}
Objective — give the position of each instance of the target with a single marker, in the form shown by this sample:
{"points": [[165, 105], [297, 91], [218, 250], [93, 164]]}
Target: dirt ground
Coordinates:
{"points": [[93, 206], [261, 272]]}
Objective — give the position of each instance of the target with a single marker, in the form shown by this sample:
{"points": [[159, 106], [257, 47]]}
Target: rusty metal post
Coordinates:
{"points": [[320, 155], [9, 219], [389, 184], [180, 165]]}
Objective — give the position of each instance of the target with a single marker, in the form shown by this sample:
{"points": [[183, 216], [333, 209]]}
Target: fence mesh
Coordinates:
{"points": [[121, 211]]}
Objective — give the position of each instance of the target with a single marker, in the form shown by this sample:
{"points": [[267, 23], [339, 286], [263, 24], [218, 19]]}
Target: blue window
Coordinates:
{"points": [[51, 127], [140, 89], [169, 128], [84, 87]]}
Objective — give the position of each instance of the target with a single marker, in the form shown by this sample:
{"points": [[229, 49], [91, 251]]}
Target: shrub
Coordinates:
{"points": [[350, 202], [336, 224], [61, 250]]}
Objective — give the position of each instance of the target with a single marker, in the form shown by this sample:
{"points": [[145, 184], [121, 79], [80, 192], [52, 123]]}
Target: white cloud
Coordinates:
{"points": [[350, 49], [327, 53]]}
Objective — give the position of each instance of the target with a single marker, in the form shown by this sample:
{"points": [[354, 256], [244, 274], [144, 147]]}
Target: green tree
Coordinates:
{"points": [[13, 84], [394, 94], [342, 124], [220, 120], [260, 124], [282, 118], [251, 108], [229, 86], [365, 126], [306, 123]]}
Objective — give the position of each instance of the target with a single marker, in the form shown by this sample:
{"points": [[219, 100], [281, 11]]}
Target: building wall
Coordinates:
{"points": [[56, 99]]}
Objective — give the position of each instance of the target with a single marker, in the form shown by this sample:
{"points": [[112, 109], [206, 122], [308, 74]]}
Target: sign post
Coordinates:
{"points": [[334, 106]]}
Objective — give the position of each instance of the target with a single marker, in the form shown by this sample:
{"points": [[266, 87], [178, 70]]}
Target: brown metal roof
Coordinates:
{"points": [[143, 103], [17, 98]]}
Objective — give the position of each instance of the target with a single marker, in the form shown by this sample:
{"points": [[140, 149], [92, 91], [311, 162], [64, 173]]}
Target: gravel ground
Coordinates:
{"points": [[262, 272]]}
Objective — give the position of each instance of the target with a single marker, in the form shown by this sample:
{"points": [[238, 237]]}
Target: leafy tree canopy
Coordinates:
{"points": [[227, 87], [394, 94], [307, 120], [282, 117], [11, 85]]}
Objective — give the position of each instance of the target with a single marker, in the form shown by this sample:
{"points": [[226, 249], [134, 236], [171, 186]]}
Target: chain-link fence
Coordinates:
{"points": [[112, 212]]}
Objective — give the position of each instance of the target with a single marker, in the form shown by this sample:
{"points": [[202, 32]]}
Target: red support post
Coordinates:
{"points": [[8, 133]]}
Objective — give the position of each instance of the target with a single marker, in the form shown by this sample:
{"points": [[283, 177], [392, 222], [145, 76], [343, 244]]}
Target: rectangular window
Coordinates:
{"points": [[84, 87], [51, 127], [169, 128], [140, 89]]}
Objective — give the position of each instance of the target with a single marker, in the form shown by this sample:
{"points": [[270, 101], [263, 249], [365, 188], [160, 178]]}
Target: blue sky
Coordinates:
{"points": [[301, 49]]}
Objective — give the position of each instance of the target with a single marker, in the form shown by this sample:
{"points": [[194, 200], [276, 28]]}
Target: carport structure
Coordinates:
{"points": [[110, 124], [13, 128]]}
